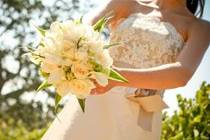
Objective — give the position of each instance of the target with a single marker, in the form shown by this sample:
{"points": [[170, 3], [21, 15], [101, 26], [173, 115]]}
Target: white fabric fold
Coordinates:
{"points": [[149, 105]]}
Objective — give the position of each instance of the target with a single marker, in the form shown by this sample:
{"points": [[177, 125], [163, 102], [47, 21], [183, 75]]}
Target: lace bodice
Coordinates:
{"points": [[146, 42]]}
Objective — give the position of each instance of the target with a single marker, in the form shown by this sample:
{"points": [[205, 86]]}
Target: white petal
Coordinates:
{"points": [[101, 79], [63, 88], [47, 67], [56, 76]]}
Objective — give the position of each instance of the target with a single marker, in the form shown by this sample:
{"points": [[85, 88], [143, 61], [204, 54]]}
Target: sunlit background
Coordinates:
{"points": [[23, 111]]}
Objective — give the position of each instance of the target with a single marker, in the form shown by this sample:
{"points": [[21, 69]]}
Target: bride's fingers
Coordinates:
{"points": [[98, 91], [93, 92]]}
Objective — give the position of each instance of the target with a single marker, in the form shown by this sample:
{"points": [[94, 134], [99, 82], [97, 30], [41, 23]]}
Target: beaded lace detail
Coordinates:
{"points": [[146, 42]]}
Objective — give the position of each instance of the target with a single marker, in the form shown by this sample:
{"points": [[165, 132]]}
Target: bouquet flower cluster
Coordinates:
{"points": [[72, 56]]}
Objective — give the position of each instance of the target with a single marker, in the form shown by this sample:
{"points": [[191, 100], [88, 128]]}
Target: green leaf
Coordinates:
{"points": [[82, 104], [44, 85], [197, 119], [78, 21], [97, 67], [44, 74], [178, 136], [111, 45], [41, 31], [196, 132], [30, 49], [105, 71], [100, 24], [57, 99], [113, 75], [81, 19]]}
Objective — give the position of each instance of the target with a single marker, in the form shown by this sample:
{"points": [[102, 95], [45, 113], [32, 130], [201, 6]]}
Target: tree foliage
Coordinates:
{"points": [[21, 119], [192, 121]]}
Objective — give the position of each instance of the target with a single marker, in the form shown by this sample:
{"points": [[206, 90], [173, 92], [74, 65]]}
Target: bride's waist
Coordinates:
{"points": [[139, 92]]}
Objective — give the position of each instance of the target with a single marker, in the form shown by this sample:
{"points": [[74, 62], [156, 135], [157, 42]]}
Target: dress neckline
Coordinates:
{"points": [[157, 19]]}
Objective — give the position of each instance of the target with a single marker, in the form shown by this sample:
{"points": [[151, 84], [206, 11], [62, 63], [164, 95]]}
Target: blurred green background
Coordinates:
{"points": [[26, 114]]}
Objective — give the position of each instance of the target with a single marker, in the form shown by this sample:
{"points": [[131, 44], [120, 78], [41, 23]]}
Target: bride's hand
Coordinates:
{"points": [[101, 90], [111, 83]]}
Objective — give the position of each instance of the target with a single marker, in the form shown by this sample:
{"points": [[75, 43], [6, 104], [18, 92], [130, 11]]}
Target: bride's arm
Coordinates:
{"points": [[95, 14], [118, 9], [161, 77], [176, 74], [170, 75]]}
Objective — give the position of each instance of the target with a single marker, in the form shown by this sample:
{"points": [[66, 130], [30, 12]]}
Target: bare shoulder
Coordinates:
{"points": [[201, 28], [202, 24]]}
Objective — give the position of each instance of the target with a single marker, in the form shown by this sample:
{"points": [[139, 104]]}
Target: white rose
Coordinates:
{"points": [[104, 59], [63, 88], [50, 40], [75, 32], [53, 59], [80, 70], [90, 33], [56, 27], [95, 45], [95, 48], [48, 67], [81, 56], [81, 88], [56, 76]]}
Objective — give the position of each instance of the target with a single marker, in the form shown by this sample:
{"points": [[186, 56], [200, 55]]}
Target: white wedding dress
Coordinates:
{"points": [[124, 113]]}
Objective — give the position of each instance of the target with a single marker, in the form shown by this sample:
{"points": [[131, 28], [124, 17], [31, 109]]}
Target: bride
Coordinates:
{"points": [[163, 44]]}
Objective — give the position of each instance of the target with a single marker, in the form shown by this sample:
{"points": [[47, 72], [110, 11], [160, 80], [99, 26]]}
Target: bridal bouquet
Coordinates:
{"points": [[73, 56]]}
